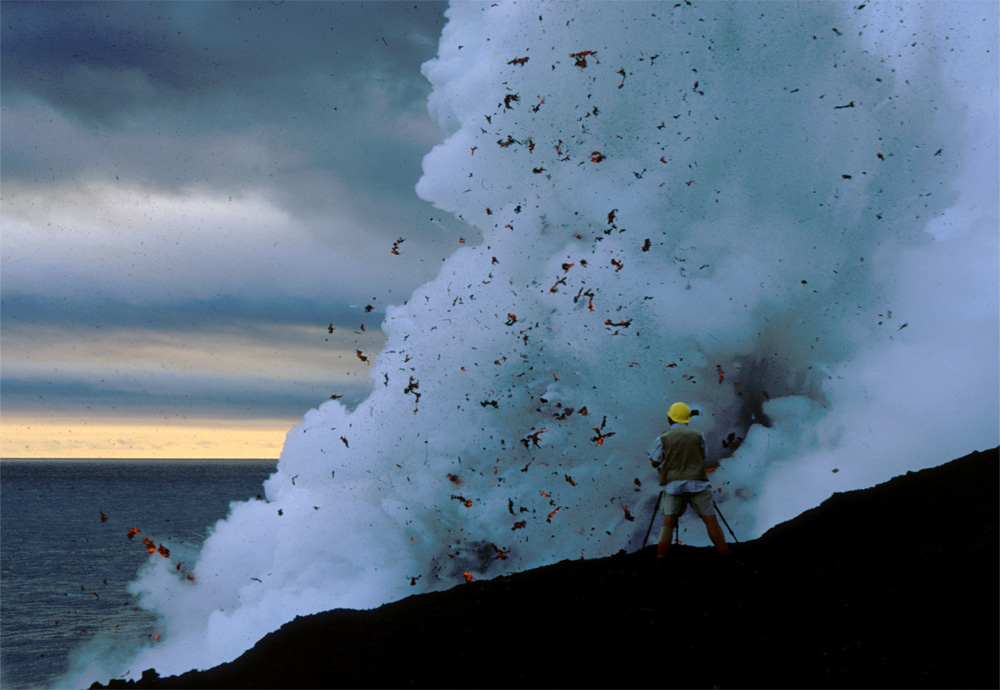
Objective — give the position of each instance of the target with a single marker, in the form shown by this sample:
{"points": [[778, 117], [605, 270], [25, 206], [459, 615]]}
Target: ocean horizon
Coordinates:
{"points": [[66, 558], [100, 460]]}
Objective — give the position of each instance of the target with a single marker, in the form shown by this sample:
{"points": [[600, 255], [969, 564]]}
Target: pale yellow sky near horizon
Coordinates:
{"points": [[262, 364], [92, 438]]}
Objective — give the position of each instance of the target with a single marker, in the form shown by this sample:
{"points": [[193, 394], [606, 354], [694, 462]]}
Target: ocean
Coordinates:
{"points": [[66, 558]]}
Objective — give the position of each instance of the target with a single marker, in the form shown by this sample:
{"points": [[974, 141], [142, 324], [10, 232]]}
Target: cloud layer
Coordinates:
{"points": [[224, 171]]}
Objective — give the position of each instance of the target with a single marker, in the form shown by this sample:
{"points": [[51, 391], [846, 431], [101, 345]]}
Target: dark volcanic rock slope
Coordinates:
{"points": [[893, 586]]}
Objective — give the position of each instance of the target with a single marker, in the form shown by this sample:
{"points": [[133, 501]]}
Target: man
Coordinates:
{"points": [[679, 454]]}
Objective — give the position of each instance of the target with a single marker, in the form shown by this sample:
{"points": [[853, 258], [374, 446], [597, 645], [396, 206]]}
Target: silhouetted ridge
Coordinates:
{"points": [[892, 586]]}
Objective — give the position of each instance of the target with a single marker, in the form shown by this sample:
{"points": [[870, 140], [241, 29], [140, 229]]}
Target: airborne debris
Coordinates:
{"points": [[732, 441], [501, 553], [599, 439], [581, 58], [533, 438]]}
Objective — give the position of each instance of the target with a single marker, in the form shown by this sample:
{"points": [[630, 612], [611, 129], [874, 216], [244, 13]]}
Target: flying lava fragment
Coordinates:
{"points": [[581, 58], [599, 439]]}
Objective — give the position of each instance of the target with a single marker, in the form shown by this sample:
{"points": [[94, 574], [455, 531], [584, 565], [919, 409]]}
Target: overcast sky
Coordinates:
{"points": [[193, 192]]}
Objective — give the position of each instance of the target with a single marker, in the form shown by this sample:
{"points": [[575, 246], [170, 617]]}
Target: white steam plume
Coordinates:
{"points": [[801, 196]]}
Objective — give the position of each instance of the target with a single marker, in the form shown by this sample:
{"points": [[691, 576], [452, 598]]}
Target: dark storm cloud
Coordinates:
{"points": [[193, 397], [291, 76], [75, 55], [128, 126], [221, 313]]}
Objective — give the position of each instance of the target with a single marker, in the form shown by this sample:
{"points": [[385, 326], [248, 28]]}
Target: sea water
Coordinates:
{"points": [[66, 558]]}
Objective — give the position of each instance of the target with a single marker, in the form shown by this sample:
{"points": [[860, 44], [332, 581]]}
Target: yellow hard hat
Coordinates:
{"points": [[679, 412]]}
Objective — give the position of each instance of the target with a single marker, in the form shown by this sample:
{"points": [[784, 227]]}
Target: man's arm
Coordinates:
{"points": [[656, 452]]}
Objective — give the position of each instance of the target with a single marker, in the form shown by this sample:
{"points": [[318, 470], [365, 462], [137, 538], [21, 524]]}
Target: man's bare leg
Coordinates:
{"points": [[715, 534], [669, 522]]}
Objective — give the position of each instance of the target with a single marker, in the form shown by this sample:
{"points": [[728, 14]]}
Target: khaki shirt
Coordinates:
{"points": [[682, 451]]}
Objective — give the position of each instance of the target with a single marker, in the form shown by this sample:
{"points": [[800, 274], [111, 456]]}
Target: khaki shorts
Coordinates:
{"points": [[675, 504]]}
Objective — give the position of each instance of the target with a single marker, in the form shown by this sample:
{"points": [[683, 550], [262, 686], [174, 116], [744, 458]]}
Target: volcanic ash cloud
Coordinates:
{"points": [[737, 205]]}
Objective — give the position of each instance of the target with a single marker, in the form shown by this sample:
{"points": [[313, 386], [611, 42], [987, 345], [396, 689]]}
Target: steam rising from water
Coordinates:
{"points": [[784, 214]]}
